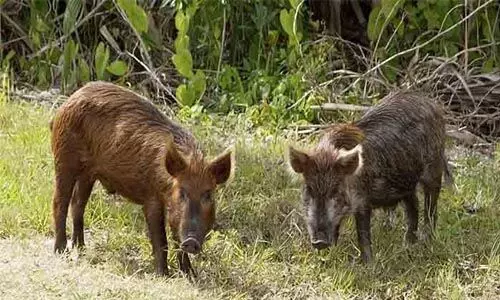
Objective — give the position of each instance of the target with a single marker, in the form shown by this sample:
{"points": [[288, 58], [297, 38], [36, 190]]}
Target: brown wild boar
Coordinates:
{"points": [[377, 161], [105, 132]]}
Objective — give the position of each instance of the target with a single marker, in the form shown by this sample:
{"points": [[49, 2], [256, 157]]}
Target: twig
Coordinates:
{"points": [[222, 42], [137, 34], [23, 34], [62, 38], [153, 75], [295, 26], [466, 40], [148, 66]]}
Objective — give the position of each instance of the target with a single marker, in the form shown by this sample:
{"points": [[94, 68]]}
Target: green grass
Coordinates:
{"points": [[260, 248]]}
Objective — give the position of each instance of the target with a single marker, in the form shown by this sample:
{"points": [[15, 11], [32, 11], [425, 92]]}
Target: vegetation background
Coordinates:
{"points": [[258, 73]]}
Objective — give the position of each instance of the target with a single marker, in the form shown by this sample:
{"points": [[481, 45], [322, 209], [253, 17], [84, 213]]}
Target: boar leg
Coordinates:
{"points": [[185, 263], [364, 234], [183, 259], [431, 182], [154, 213], [65, 181], [431, 194], [411, 209], [81, 194]]}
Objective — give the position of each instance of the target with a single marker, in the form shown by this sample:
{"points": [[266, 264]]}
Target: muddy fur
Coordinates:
{"points": [[377, 161]]}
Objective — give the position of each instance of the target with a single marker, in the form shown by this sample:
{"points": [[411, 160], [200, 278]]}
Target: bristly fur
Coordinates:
{"points": [[395, 146], [107, 133], [345, 136]]}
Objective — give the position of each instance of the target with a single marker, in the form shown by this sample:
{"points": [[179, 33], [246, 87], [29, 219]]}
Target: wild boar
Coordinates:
{"points": [[377, 161], [108, 133]]}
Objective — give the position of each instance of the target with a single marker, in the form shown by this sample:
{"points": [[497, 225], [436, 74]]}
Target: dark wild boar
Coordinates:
{"points": [[377, 161], [108, 133]]}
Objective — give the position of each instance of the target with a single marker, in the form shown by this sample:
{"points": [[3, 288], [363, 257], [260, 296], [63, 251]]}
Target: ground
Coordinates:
{"points": [[260, 247]]}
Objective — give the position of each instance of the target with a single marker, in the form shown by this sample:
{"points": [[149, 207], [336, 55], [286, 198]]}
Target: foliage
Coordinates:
{"points": [[259, 57], [396, 25], [190, 93]]}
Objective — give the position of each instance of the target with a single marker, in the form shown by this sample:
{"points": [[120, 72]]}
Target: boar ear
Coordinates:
{"points": [[297, 160], [174, 162], [222, 167], [351, 161]]}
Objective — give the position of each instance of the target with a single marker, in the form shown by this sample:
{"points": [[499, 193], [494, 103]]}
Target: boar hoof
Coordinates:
{"points": [[410, 238], [366, 257], [60, 247], [161, 271]]}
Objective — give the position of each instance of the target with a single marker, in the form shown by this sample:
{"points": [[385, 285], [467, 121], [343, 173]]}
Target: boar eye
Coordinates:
{"points": [[183, 195], [308, 190], [206, 197]]}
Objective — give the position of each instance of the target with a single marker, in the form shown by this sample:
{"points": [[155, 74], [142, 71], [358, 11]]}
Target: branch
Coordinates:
{"points": [[340, 106], [62, 38], [437, 36], [153, 75], [23, 34]]}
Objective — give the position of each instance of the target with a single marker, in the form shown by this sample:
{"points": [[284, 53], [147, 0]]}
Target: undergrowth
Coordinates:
{"points": [[260, 247]]}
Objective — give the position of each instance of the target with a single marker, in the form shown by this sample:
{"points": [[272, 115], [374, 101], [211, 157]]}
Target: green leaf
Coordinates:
{"points": [[295, 3], [84, 70], [400, 29], [70, 51], [489, 65], [181, 43], [389, 72], [101, 60], [41, 6], [184, 63], [286, 20], [191, 9], [185, 96], [389, 5], [450, 49], [118, 68], [199, 83], [73, 10], [10, 55], [154, 34], [40, 25], [42, 73], [374, 23], [135, 14], [181, 23], [7, 58]]}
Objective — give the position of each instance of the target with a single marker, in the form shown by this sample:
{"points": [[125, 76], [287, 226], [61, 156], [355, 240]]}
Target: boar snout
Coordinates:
{"points": [[320, 240], [320, 244], [191, 245]]}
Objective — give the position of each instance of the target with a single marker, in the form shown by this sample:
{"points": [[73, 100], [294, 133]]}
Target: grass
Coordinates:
{"points": [[260, 248]]}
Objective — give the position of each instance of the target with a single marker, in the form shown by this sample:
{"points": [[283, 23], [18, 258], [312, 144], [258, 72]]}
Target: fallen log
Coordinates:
{"points": [[340, 106]]}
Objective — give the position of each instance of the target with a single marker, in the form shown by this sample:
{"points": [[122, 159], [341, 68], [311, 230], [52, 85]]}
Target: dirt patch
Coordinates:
{"points": [[29, 270]]}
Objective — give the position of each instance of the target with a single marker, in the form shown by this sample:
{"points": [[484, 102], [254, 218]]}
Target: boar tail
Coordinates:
{"points": [[51, 123]]}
